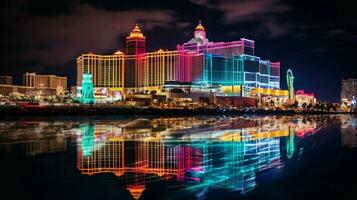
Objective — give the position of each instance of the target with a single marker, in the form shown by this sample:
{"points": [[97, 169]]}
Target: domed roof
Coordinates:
{"points": [[136, 32], [199, 27]]}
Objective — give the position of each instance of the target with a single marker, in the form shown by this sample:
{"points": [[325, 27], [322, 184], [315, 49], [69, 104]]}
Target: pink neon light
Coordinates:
{"points": [[302, 92], [302, 133]]}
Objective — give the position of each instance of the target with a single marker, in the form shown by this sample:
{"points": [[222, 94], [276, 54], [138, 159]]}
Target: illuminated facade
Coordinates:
{"points": [[348, 90], [227, 63], [107, 70], [199, 60], [6, 80], [134, 65], [151, 70], [305, 98], [45, 82]]}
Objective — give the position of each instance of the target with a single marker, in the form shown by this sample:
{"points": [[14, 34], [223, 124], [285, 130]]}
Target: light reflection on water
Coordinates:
{"points": [[197, 153]]}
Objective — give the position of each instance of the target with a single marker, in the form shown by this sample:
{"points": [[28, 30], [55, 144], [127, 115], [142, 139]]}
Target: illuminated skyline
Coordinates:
{"points": [[315, 40], [198, 61]]}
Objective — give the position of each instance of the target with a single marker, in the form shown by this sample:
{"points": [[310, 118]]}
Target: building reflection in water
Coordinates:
{"points": [[223, 153], [33, 137], [349, 131]]}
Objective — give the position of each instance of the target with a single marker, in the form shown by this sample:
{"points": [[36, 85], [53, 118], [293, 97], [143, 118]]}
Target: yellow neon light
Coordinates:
{"points": [[136, 33]]}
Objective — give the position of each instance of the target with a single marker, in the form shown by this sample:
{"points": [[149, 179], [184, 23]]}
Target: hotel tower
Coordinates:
{"points": [[231, 65]]}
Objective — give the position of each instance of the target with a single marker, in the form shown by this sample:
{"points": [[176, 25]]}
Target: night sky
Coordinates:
{"points": [[316, 39]]}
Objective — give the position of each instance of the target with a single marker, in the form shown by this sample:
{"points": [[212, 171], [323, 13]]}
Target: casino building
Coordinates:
{"points": [[233, 66]]}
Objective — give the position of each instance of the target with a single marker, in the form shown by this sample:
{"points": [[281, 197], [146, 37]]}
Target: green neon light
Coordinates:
{"points": [[290, 145], [290, 82], [87, 139], [87, 90]]}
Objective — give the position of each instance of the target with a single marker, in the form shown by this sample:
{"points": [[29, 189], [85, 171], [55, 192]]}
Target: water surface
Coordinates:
{"points": [[248, 157]]}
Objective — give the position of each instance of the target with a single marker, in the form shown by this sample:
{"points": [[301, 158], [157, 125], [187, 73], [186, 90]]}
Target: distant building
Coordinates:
{"points": [[8, 89], [6, 80], [348, 90], [269, 96], [236, 101], [301, 97], [57, 83]]}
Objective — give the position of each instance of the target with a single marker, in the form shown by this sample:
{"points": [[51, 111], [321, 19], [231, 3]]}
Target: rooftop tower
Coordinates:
{"points": [[135, 46], [135, 42], [199, 35]]}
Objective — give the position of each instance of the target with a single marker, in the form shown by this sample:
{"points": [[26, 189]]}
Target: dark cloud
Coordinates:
{"points": [[245, 10], [318, 50], [274, 29], [261, 12], [336, 31], [57, 40]]}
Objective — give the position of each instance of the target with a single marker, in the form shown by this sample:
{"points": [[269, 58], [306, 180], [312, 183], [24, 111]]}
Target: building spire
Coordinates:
{"points": [[199, 27], [136, 32]]}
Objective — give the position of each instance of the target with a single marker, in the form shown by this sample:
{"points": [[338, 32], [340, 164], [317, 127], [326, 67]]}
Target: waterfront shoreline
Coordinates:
{"points": [[88, 110]]}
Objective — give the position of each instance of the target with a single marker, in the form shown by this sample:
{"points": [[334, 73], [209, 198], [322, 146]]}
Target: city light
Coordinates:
{"points": [[144, 100], [197, 61], [87, 96], [228, 159]]}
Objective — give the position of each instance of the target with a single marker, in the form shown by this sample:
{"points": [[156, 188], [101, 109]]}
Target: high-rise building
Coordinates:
{"points": [[107, 70], [135, 42], [6, 80], [134, 65], [199, 61], [161, 66], [348, 89], [227, 63], [45, 81]]}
